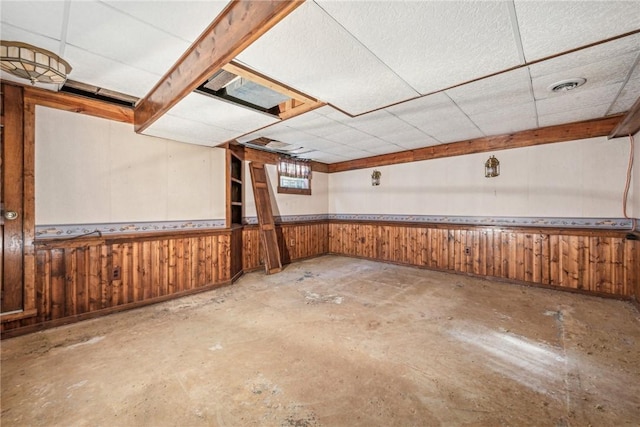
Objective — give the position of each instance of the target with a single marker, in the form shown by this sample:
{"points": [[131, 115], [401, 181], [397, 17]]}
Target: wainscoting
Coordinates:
{"points": [[86, 277], [598, 262], [296, 241]]}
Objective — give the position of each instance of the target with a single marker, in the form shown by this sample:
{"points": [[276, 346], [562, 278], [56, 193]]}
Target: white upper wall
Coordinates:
{"points": [[92, 170], [572, 179], [289, 204]]}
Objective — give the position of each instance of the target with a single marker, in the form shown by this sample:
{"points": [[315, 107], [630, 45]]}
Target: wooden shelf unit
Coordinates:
{"points": [[234, 182]]}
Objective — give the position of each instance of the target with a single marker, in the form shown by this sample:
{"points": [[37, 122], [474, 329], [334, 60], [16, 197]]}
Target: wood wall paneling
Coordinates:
{"points": [[599, 262], [96, 276]]}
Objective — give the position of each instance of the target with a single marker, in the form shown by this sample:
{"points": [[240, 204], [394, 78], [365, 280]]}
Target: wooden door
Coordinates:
{"points": [[268, 234], [11, 199]]}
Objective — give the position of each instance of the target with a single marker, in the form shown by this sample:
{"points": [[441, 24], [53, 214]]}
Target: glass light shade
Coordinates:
{"points": [[32, 63]]}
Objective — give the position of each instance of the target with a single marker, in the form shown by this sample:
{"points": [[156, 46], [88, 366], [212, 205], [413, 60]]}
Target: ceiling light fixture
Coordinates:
{"points": [[491, 167], [375, 178], [567, 85], [32, 63]]}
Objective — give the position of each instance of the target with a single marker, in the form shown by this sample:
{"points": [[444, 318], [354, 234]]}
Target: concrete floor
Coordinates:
{"points": [[337, 342]]}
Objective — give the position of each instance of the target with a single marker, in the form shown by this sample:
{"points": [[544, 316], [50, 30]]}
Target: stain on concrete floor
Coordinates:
{"points": [[336, 341]]}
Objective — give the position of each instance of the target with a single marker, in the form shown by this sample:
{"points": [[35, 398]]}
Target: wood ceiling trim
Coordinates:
{"points": [[260, 156], [528, 138], [247, 73], [630, 123], [78, 104], [238, 25]]}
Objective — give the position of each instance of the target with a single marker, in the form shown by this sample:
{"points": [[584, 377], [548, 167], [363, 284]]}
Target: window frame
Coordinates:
{"points": [[292, 190]]}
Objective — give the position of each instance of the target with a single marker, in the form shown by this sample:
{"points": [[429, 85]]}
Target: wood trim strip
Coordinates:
{"points": [[259, 156], [29, 207], [589, 232], [78, 104], [527, 138], [630, 123], [112, 239], [238, 25], [254, 76], [10, 317], [102, 312]]}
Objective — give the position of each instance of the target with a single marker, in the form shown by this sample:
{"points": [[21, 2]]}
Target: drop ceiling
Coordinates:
{"points": [[394, 75]]}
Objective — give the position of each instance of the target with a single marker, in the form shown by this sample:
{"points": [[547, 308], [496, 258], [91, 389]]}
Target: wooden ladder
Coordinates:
{"points": [[272, 263]]}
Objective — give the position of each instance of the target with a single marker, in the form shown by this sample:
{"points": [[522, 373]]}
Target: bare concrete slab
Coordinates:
{"points": [[337, 342]]}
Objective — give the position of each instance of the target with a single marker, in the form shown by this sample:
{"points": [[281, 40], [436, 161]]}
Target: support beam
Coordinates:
{"points": [[78, 104], [527, 138], [240, 24], [630, 123]]}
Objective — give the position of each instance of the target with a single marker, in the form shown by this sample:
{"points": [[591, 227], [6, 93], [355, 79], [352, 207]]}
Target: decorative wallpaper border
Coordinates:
{"points": [[74, 230], [600, 223], [282, 219], [597, 223]]}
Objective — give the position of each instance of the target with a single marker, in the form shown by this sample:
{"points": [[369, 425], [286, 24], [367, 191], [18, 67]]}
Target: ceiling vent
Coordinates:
{"points": [[567, 85]]}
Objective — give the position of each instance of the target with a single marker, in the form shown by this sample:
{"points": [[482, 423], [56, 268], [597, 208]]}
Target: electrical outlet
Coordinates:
{"points": [[292, 242], [115, 275]]}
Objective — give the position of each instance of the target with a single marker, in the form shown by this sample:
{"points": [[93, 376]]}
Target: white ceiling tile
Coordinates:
{"points": [[551, 27], [317, 125], [320, 144], [98, 28], [411, 139], [366, 144], [412, 145], [628, 96], [328, 158], [108, 74], [455, 134], [431, 44], [220, 113], [598, 53], [379, 123], [9, 32], [573, 115], [493, 93], [438, 117], [385, 149], [189, 131], [349, 136], [183, 19], [44, 18], [509, 120], [598, 74], [578, 99], [347, 152], [330, 64]]}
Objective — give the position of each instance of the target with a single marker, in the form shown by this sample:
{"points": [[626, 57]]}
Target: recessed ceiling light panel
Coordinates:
{"points": [[567, 85]]}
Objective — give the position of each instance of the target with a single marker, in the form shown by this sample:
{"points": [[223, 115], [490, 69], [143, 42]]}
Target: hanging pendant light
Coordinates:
{"points": [[32, 63]]}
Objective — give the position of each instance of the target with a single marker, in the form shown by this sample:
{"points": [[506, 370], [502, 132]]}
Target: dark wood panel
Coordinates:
{"points": [[296, 241], [11, 192], [602, 263], [95, 276]]}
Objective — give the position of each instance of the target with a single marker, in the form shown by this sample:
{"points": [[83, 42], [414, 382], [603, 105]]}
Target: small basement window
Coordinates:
{"points": [[294, 176]]}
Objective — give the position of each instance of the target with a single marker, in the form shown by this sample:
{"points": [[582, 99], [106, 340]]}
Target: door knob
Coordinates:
{"points": [[10, 215]]}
